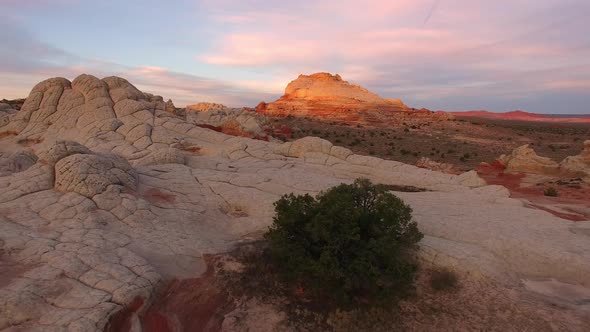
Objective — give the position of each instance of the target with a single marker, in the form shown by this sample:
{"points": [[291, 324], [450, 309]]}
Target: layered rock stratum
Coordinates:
{"points": [[105, 195], [327, 96]]}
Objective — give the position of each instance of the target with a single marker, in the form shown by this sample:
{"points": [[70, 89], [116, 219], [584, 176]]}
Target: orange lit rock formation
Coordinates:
{"points": [[327, 96]]}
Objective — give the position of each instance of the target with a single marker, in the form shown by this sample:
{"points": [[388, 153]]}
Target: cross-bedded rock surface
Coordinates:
{"points": [[105, 194], [329, 97]]}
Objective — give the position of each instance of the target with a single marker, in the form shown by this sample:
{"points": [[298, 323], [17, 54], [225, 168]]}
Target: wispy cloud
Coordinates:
{"points": [[485, 48]]}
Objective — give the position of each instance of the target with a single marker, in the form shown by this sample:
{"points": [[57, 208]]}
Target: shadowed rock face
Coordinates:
{"points": [[327, 96], [105, 194]]}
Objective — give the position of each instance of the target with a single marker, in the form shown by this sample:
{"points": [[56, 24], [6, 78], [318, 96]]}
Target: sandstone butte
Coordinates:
{"points": [[329, 97], [105, 196]]}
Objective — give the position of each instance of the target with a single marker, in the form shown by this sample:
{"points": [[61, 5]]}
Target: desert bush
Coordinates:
{"points": [[352, 243], [551, 191]]}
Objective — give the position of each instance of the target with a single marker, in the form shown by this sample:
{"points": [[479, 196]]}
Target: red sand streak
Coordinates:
{"points": [[154, 195], [494, 174], [196, 304], [572, 217]]}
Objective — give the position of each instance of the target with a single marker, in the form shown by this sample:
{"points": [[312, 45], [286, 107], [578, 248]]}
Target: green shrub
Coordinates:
{"points": [[351, 243], [551, 191]]}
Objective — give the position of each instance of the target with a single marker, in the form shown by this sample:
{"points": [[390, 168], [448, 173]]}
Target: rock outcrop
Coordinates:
{"points": [[206, 107], [578, 165], [525, 160], [105, 194], [5, 111], [232, 121], [329, 97]]}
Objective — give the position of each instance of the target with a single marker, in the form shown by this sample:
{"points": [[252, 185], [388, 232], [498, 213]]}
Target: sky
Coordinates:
{"points": [[500, 55]]}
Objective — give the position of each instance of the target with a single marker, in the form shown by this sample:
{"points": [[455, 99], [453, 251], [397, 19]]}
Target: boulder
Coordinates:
{"points": [[525, 160], [17, 161], [304, 145], [578, 165], [62, 149], [170, 108]]}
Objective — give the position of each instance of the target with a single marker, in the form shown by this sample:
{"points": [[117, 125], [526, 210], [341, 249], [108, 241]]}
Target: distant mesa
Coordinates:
{"points": [[521, 116], [327, 96]]}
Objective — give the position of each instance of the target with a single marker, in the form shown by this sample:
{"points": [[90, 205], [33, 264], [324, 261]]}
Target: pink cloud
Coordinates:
{"points": [[574, 84], [259, 49]]}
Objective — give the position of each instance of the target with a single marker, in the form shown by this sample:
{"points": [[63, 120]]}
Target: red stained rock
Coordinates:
{"points": [[196, 304], [121, 321], [154, 195], [494, 174]]}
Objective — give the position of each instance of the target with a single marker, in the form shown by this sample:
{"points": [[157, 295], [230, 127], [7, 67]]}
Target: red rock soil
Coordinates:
{"points": [[195, 304], [515, 182], [200, 304]]}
